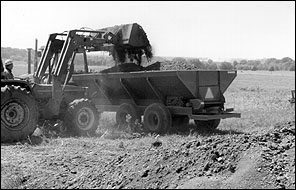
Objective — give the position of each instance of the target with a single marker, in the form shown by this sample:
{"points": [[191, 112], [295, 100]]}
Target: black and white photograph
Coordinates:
{"points": [[147, 94]]}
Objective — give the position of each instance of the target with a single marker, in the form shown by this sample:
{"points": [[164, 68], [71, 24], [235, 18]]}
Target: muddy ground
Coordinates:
{"points": [[193, 158]]}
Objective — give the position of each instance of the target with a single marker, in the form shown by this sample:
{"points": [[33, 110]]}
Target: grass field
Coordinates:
{"points": [[262, 99]]}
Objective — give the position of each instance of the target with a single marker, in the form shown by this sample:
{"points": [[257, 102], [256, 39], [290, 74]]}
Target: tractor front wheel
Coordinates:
{"points": [[82, 118]]}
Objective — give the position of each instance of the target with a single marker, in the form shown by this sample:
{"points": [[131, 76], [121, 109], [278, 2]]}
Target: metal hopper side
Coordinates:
{"points": [[109, 90]]}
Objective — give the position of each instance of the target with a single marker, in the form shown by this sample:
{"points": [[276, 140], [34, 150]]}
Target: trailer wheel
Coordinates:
{"points": [[19, 113], [180, 120], [157, 118], [123, 111], [82, 118], [210, 124]]}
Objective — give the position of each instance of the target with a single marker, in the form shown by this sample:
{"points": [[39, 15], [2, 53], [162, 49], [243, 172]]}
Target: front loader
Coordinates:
{"points": [[52, 95]]}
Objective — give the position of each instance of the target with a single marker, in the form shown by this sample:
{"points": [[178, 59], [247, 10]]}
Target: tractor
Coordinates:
{"points": [[50, 94], [58, 92]]}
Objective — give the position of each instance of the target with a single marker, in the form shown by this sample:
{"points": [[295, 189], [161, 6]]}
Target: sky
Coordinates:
{"points": [[200, 29]]}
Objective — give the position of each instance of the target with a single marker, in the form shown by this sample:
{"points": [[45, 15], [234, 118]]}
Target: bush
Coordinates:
{"points": [[254, 68], [212, 66], [179, 60], [226, 66], [271, 68], [197, 63]]}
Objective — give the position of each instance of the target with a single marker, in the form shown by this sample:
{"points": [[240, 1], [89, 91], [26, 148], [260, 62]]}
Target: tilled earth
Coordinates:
{"points": [[188, 159]]}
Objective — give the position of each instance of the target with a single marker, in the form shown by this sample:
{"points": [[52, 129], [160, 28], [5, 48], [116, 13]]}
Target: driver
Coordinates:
{"points": [[8, 69]]}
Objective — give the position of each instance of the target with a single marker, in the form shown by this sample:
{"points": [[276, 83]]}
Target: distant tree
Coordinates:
{"points": [[14, 54], [235, 63], [270, 61], [287, 63], [226, 66], [271, 68], [244, 67], [286, 59], [179, 60], [212, 66], [197, 63], [273, 64], [254, 68], [243, 62], [210, 61]]}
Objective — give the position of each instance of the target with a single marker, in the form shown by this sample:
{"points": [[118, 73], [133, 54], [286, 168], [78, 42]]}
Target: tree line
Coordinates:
{"points": [[271, 64]]}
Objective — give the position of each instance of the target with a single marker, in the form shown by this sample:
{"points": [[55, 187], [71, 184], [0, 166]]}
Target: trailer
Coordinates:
{"points": [[57, 92], [161, 97]]}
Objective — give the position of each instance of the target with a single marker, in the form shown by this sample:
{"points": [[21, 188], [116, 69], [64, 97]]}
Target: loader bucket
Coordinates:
{"points": [[130, 40], [129, 35]]}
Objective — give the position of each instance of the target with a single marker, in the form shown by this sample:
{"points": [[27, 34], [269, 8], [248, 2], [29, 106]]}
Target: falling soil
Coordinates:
{"points": [[129, 46]]}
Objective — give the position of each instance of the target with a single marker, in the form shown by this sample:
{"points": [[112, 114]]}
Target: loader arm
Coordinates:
{"points": [[59, 57], [127, 40], [61, 48], [58, 52], [52, 47]]}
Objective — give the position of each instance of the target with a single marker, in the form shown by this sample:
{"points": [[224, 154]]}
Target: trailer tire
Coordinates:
{"points": [[19, 113], [82, 118], [210, 124], [125, 109], [180, 120], [157, 118]]}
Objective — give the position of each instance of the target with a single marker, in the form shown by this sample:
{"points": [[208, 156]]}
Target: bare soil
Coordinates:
{"points": [[193, 158]]}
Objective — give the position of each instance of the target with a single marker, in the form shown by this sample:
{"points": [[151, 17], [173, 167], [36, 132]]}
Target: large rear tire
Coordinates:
{"points": [[19, 113], [157, 118], [82, 118]]}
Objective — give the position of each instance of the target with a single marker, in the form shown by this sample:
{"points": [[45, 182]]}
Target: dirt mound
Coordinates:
{"points": [[130, 67], [168, 65], [214, 159], [219, 161]]}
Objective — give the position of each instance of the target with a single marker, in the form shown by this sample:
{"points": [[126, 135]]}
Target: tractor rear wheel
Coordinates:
{"points": [[82, 118], [19, 113], [122, 112], [157, 118], [210, 124]]}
